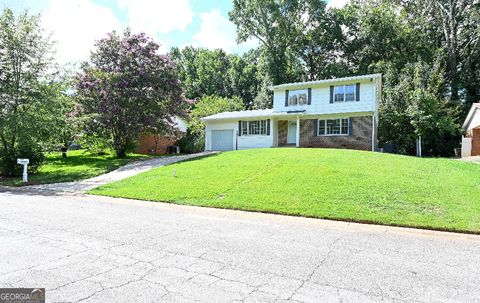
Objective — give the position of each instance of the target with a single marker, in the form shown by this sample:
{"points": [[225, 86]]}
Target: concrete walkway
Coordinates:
{"points": [[123, 172], [474, 159]]}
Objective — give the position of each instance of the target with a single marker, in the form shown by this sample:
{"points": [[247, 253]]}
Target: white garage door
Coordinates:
{"points": [[222, 139]]}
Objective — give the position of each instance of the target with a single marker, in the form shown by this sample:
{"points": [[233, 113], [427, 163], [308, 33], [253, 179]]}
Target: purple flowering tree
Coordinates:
{"points": [[127, 88]]}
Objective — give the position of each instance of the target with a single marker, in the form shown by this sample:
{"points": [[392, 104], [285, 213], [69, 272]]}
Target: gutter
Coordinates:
{"points": [[325, 81]]}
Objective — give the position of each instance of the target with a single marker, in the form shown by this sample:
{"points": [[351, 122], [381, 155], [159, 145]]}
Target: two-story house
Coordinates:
{"points": [[335, 113]]}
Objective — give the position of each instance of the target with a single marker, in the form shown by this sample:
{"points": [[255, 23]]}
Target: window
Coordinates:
{"points": [[297, 97], [345, 93], [339, 93], [259, 127], [321, 127], [293, 100], [302, 99], [333, 127], [345, 126], [253, 127], [263, 127], [244, 128], [349, 92]]}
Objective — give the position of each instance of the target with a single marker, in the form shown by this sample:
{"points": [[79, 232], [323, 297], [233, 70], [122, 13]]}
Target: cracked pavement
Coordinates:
{"points": [[98, 249]]}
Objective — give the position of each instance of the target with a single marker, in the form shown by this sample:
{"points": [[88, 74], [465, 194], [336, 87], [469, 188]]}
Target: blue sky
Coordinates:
{"points": [[76, 24]]}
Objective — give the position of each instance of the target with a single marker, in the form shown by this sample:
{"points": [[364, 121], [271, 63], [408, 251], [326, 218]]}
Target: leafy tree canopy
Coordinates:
{"points": [[27, 91], [128, 87]]}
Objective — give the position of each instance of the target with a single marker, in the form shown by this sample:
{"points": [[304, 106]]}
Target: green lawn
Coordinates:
{"points": [[78, 165], [324, 183]]}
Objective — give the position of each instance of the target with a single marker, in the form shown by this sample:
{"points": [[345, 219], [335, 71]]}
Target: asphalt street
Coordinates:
{"points": [[97, 249]]}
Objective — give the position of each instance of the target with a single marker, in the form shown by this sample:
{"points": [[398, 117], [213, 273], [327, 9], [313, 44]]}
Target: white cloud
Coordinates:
{"points": [[216, 31], [75, 25], [157, 16], [337, 3]]}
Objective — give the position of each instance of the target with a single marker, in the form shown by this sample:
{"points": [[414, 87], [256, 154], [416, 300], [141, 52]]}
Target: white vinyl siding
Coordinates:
{"points": [[238, 142], [320, 103], [475, 121]]}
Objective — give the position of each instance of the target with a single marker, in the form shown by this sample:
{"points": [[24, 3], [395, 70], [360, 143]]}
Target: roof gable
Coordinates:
{"points": [[473, 117]]}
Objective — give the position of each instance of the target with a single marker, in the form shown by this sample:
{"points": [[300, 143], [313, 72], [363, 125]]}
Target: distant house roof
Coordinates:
{"points": [[310, 83], [473, 117], [241, 114]]}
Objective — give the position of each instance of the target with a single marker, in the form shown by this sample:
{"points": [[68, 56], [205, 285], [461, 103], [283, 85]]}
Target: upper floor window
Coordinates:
{"points": [[297, 97], [258, 127], [293, 100], [345, 93]]}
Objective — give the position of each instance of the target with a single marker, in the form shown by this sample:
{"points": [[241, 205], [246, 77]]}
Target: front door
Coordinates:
{"points": [[292, 132]]}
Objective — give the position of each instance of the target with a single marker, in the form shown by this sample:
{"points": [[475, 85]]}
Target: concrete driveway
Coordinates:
{"points": [[126, 171], [97, 249]]}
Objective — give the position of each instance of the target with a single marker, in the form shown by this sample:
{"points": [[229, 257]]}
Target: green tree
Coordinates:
{"points": [[454, 26], [415, 105], [128, 88], [27, 114], [205, 72], [69, 121], [277, 25], [202, 71], [244, 77], [318, 44], [378, 34]]}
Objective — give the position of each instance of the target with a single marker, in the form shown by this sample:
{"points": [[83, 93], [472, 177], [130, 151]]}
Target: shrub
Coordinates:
{"points": [[24, 150], [191, 143], [95, 145]]}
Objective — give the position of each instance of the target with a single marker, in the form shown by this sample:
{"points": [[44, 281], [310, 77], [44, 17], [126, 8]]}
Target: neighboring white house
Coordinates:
{"points": [[337, 113], [471, 140]]}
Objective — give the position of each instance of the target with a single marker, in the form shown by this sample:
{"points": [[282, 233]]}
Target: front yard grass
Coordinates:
{"points": [[346, 185], [78, 165]]}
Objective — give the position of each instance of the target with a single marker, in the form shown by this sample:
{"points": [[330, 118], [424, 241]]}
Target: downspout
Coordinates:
{"points": [[373, 132], [297, 139]]}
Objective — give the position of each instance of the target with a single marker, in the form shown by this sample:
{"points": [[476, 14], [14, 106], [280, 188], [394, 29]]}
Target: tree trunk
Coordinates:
{"points": [[121, 153], [156, 137]]}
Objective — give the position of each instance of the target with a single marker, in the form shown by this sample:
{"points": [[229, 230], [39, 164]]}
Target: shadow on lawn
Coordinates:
{"points": [[73, 168], [213, 154]]}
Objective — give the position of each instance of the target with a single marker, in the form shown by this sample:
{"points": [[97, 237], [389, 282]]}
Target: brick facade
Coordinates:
{"points": [[475, 135], [361, 137], [282, 132], [146, 144]]}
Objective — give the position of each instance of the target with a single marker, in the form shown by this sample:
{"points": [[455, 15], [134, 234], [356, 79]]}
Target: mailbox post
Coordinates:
{"points": [[24, 162]]}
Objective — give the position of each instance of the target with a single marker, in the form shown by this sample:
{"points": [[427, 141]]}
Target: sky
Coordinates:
{"points": [[76, 24]]}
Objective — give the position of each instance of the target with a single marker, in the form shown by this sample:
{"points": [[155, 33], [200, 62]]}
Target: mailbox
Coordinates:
{"points": [[24, 162]]}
